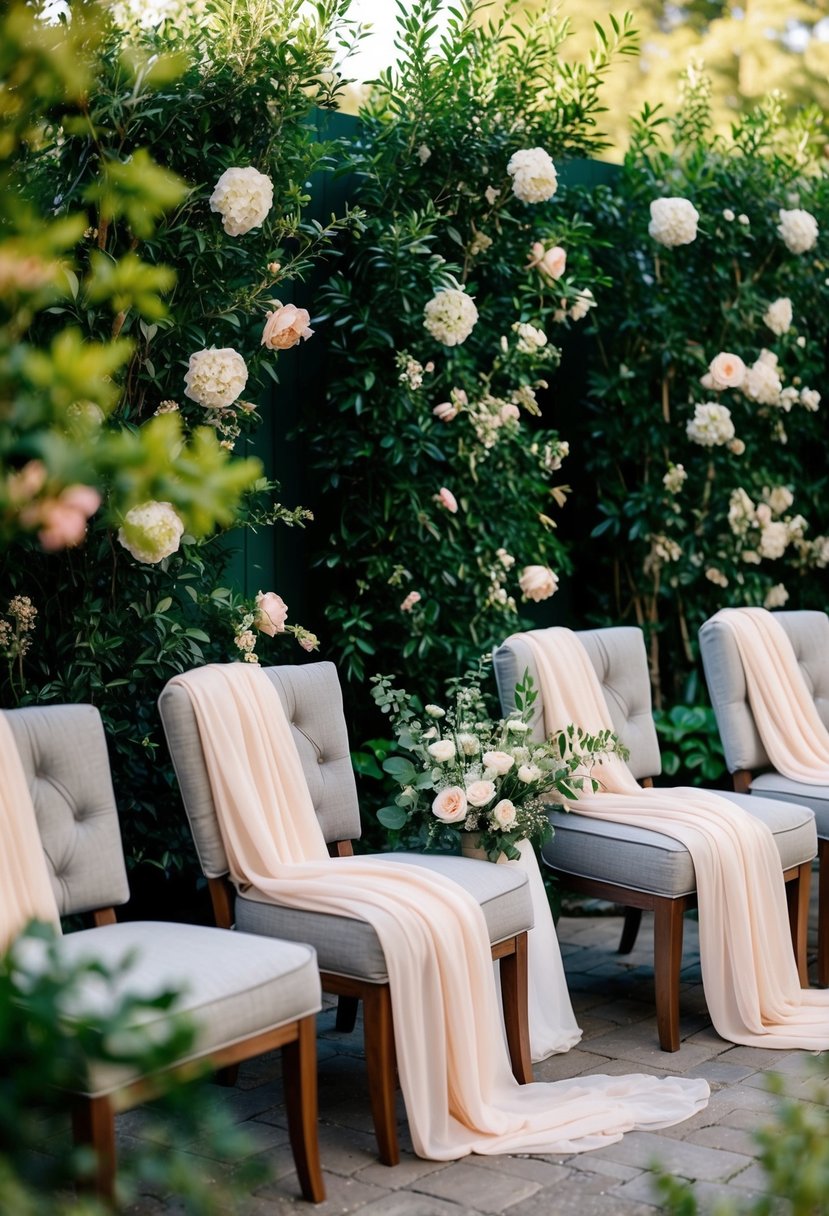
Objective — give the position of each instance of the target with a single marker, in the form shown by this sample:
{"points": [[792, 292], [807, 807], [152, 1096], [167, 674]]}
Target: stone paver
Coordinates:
{"points": [[613, 999]]}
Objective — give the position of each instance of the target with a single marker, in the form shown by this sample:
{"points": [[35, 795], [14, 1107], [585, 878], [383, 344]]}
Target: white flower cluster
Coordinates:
{"points": [[776, 596], [762, 381], [534, 177], [716, 576], [584, 301], [766, 538], [215, 377], [151, 531], [663, 549], [673, 221], [450, 316], [711, 425], [778, 316], [243, 198], [798, 230], [675, 478], [490, 415], [530, 339], [537, 583]]}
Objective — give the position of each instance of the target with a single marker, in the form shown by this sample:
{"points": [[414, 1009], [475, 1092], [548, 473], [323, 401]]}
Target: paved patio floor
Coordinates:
{"points": [[613, 998]]}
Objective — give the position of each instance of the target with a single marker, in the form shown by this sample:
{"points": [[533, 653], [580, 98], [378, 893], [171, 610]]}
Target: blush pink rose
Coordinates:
{"points": [[479, 793], [504, 813], [450, 805], [446, 411], [285, 326], [63, 519], [409, 602], [550, 262], [271, 613], [445, 498], [509, 412], [726, 370]]}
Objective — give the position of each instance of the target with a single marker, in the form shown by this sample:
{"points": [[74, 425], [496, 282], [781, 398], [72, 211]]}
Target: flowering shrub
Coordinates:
{"points": [[707, 435], [462, 772]]}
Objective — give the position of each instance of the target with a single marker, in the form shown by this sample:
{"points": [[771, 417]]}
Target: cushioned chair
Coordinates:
{"points": [[634, 867], [351, 959], [245, 994], [750, 767]]}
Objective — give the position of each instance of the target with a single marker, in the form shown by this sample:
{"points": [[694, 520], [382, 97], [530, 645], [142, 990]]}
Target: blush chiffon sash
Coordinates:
{"points": [[748, 966], [459, 1091]]}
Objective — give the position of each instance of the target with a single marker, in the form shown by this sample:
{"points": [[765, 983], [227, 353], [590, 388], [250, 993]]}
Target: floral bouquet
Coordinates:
{"points": [[461, 772]]}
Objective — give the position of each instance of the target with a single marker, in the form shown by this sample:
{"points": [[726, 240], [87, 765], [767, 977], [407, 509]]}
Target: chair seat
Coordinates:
{"points": [[816, 797], [647, 861], [501, 890], [233, 985]]}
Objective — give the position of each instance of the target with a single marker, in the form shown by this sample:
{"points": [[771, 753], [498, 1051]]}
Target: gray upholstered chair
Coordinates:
{"points": [[634, 867], [245, 995], [351, 959], [745, 756]]}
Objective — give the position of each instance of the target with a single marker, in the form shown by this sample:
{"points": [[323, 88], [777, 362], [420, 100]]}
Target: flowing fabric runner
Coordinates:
{"points": [[789, 725], [25, 888], [748, 967], [460, 1094]]}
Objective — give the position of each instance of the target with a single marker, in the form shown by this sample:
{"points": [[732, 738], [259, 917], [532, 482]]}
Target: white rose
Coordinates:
{"points": [[215, 377], [716, 576], [673, 221], [740, 512], [798, 230], [711, 425], [499, 762], [434, 711], [778, 316], [151, 531], [534, 177], [243, 197], [810, 399], [469, 744], [479, 793], [450, 804], [725, 371], [504, 813], [529, 773], [776, 596], [518, 726], [762, 383], [584, 301], [675, 478], [443, 750], [779, 498], [450, 316], [773, 540], [537, 583], [530, 338]]}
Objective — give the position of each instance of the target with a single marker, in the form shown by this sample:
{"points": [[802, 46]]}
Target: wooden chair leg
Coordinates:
{"points": [[797, 897], [516, 1016], [630, 930], [378, 1030], [823, 913], [347, 1007], [93, 1126], [299, 1066], [667, 958]]}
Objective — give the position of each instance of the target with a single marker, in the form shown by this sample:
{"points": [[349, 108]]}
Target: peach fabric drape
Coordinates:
{"points": [[792, 730], [454, 1072], [25, 889], [748, 967]]}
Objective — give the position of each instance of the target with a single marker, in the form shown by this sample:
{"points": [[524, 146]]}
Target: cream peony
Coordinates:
{"points": [[726, 371], [537, 583], [499, 762], [271, 613], [243, 197], [450, 316], [215, 377], [442, 750], [504, 813], [778, 316], [479, 793], [673, 221], [151, 531], [798, 230], [285, 326], [711, 425], [534, 177], [450, 805]]}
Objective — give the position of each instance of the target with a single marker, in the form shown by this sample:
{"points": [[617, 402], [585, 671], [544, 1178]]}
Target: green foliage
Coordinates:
{"points": [[684, 528], [57, 1020], [690, 745], [404, 575]]}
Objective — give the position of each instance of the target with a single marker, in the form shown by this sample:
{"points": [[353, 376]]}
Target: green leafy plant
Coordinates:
{"points": [[690, 744]]}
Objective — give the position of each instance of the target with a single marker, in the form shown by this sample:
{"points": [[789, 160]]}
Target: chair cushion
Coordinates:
{"points": [[816, 797], [351, 947], [652, 862], [234, 985]]}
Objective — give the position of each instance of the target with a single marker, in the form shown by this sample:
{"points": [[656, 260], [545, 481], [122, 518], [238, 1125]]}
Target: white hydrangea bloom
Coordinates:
{"points": [[534, 177], [741, 512], [776, 596], [810, 399], [711, 425], [450, 316], [673, 221], [778, 316], [530, 339], [151, 531], [215, 377], [675, 478], [774, 539], [243, 198], [798, 230], [762, 382]]}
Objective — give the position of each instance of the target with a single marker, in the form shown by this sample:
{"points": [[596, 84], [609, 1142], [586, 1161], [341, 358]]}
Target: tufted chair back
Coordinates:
{"points": [[619, 658], [64, 755], [809, 635], [312, 699]]}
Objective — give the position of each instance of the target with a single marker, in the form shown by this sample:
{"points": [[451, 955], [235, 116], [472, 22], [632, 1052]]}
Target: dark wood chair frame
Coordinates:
{"points": [[669, 916], [93, 1118], [378, 1026]]}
